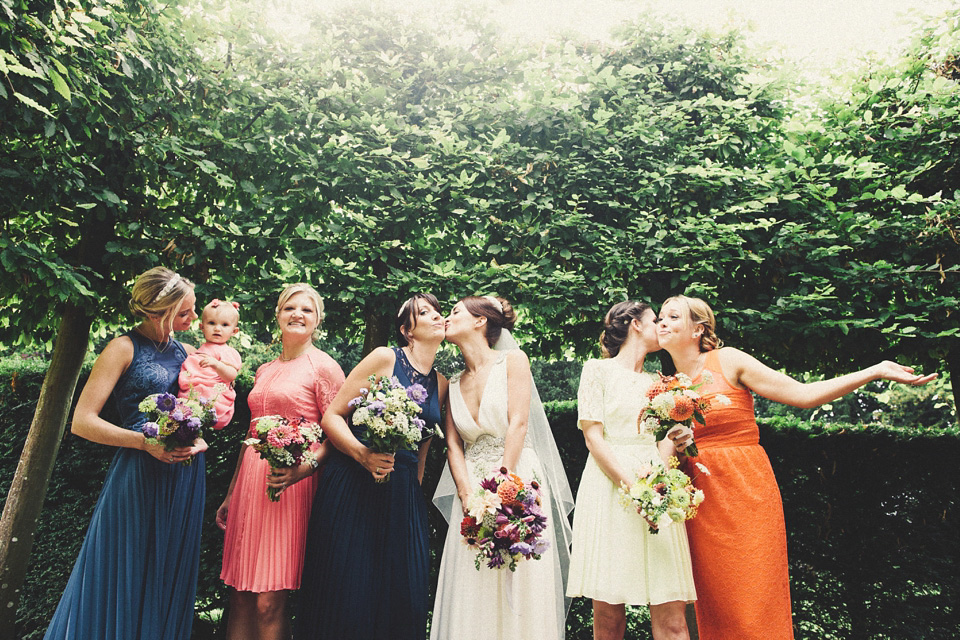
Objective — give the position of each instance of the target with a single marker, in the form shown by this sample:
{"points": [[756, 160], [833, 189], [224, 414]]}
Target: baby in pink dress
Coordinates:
{"points": [[215, 363]]}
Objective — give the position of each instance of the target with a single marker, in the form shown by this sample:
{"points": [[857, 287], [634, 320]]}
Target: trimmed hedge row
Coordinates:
{"points": [[871, 513]]}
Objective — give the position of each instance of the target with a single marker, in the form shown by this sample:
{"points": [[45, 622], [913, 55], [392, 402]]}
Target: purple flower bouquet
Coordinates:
{"points": [[505, 523], [176, 422]]}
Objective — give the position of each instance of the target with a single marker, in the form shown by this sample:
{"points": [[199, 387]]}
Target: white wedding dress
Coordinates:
{"points": [[495, 604]]}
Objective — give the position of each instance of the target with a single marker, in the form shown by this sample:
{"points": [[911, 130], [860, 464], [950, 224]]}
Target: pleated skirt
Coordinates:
{"points": [[136, 575], [366, 568], [497, 604], [264, 541]]}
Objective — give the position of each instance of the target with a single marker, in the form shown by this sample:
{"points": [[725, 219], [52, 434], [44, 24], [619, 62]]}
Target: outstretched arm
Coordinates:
{"points": [[746, 370]]}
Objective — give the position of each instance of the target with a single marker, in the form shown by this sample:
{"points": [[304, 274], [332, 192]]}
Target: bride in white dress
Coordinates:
{"points": [[494, 418]]}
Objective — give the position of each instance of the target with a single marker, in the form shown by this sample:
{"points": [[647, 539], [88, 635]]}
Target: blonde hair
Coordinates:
{"points": [[223, 309], [699, 312], [159, 292], [302, 287]]}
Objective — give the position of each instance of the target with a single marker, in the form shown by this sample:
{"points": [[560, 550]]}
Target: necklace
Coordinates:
{"points": [[476, 372], [160, 346], [701, 361], [416, 361]]}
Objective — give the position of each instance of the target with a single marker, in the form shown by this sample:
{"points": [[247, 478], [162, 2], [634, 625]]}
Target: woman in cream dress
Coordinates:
{"points": [[495, 419], [615, 559]]}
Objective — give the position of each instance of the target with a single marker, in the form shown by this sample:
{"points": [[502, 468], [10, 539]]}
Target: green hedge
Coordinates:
{"points": [[871, 513]]}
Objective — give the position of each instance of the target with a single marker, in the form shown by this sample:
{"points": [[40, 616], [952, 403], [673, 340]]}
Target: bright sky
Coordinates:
{"points": [[816, 32], [819, 34]]}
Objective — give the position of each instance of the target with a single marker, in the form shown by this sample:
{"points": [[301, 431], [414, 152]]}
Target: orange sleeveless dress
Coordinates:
{"points": [[738, 541]]}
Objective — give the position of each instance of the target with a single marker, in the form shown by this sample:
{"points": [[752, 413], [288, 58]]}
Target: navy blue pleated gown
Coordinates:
{"points": [[136, 575], [366, 569]]}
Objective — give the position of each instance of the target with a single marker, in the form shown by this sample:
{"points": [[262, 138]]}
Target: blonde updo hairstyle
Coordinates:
{"points": [[158, 293], [302, 287], [616, 325], [498, 312], [700, 313]]}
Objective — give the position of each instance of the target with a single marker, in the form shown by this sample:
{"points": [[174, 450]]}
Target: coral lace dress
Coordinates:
{"points": [[738, 540], [264, 541]]}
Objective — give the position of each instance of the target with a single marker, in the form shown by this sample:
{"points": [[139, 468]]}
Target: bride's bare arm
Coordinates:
{"points": [[458, 465], [519, 385]]}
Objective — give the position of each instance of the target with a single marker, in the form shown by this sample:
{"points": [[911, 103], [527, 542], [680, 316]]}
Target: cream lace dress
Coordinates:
{"points": [[615, 558]]}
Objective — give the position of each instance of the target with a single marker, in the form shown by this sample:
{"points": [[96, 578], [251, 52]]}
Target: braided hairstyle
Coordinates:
{"points": [[616, 325]]}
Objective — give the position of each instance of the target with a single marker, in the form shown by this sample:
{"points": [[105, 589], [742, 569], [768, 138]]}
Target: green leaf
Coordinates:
{"points": [[30, 102], [59, 85]]}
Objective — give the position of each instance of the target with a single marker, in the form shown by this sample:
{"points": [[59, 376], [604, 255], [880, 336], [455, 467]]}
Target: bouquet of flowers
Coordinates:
{"points": [[663, 495], [390, 413], [672, 401], [283, 443], [176, 422], [505, 523]]}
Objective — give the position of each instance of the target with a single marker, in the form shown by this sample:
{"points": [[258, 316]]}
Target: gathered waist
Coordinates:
{"points": [[487, 447], [639, 440], [727, 441]]}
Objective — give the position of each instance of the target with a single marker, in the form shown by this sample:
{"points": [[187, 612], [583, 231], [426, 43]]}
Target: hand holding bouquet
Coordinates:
{"points": [[283, 443], [505, 522], [390, 413], [663, 495], [176, 422], [673, 401]]}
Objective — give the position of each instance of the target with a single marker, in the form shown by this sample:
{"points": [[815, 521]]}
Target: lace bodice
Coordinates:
{"points": [[298, 388], [154, 369], [612, 394]]}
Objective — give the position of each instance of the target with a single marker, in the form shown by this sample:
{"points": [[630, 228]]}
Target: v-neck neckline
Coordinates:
{"points": [[483, 393]]}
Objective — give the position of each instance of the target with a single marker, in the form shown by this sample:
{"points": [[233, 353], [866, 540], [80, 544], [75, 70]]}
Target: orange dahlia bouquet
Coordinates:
{"points": [[672, 401]]}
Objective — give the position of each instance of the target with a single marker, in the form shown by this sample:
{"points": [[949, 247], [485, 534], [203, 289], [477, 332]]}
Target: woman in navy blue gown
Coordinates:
{"points": [[136, 575], [366, 570]]}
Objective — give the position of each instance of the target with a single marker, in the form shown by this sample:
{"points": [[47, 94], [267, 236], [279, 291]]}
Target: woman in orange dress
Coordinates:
{"points": [[738, 541], [264, 543]]}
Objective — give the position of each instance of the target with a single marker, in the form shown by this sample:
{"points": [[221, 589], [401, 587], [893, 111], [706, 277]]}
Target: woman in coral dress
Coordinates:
{"points": [[263, 546], [616, 560], [738, 540]]}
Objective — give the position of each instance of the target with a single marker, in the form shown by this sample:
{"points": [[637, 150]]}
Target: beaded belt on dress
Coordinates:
{"points": [[486, 447]]}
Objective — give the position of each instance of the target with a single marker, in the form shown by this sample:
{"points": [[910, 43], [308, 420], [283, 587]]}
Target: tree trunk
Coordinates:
{"points": [[378, 327], [29, 487]]}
